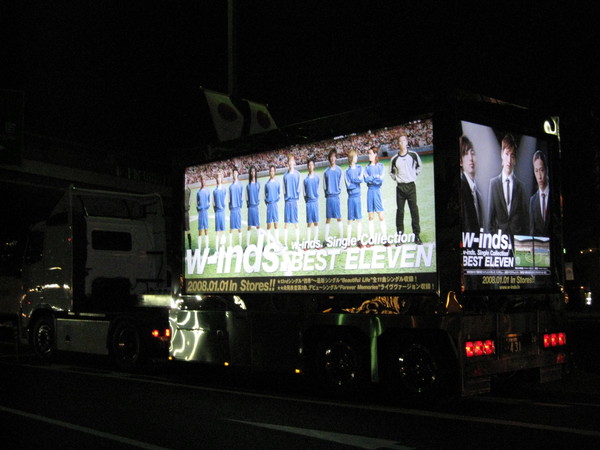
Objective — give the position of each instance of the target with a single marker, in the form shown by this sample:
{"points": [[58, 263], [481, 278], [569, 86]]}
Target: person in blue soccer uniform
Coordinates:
{"points": [[291, 185], [332, 185], [272, 195], [202, 206], [252, 201], [219, 197], [236, 192], [354, 177], [374, 174], [311, 196]]}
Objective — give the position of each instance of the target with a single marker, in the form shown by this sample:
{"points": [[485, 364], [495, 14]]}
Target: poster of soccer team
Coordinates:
{"points": [[506, 209], [354, 213]]}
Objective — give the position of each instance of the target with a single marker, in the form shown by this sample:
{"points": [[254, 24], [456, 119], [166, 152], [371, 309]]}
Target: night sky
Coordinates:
{"points": [[126, 74]]}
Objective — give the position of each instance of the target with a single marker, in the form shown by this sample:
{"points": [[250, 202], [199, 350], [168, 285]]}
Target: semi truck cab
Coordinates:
{"points": [[95, 278]]}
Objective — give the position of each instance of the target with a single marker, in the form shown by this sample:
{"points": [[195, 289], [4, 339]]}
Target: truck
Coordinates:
{"points": [[321, 271], [95, 280], [296, 255]]}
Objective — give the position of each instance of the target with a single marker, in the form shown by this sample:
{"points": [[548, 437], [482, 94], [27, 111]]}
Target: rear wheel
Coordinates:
{"points": [[126, 347], [418, 369], [416, 372], [43, 338]]}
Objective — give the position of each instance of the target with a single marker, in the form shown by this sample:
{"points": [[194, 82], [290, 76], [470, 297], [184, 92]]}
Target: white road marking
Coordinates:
{"points": [[86, 430], [516, 401], [340, 438]]}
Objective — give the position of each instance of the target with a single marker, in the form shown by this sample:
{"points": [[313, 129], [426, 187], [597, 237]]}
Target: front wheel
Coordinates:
{"points": [[126, 347], [340, 363], [43, 338]]}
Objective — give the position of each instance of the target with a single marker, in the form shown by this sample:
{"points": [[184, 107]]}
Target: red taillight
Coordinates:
{"points": [[489, 347], [480, 348], [469, 351], [165, 334], [554, 339]]}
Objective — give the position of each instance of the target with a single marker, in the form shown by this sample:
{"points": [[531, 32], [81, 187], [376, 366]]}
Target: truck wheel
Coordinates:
{"points": [[415, 372], [43, 338], [126, 346], [340, 363]]}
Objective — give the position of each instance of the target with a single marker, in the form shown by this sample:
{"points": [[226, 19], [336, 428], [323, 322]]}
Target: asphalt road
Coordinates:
{"points": [[80, 401]]}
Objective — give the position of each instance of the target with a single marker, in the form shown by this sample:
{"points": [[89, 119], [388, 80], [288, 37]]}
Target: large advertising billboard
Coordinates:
{"points": [[506, 209], [351, 213]]}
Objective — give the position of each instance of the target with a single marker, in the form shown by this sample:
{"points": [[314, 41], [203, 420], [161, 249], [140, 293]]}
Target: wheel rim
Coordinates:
{"points": [[43, 339], [418, 369], [341, 364], [126, 344]]}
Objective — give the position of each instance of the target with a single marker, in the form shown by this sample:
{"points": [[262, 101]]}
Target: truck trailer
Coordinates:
{"points": [[379, 246]]}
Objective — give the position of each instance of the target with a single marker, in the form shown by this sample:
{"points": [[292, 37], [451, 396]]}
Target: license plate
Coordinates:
{"points": [[512, 343]]}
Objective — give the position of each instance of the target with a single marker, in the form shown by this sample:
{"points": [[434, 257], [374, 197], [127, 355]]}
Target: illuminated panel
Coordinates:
{"points": [[506, 197], [236, 246]]}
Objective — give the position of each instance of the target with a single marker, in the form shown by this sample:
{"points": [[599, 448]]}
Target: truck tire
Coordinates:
{"points": [[415, 373], [43, 338], [126, 346], [340, 365]]}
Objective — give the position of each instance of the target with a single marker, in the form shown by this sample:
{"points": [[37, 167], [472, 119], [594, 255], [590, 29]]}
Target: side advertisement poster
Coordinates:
{"points": [[506, 209], [353, 213]]}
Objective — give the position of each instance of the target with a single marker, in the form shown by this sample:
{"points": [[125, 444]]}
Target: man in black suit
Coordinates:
{"points": [[538, 203], [508, 207], [471, 206]]}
